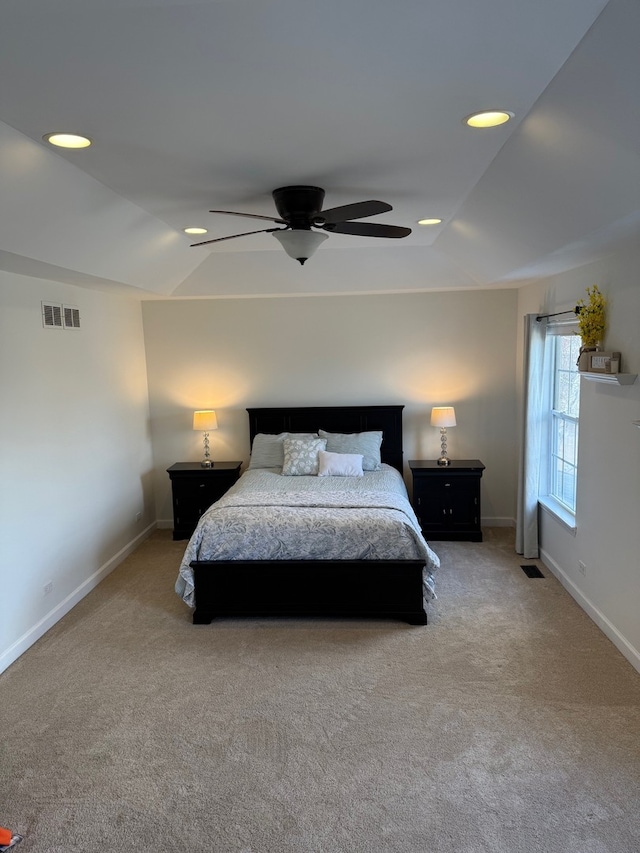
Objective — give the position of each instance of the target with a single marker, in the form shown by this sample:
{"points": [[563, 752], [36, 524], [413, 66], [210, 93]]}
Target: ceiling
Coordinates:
{"points": [[213, 104]]}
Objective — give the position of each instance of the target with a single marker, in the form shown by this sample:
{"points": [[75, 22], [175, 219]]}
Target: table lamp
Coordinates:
{"points": [[443, 417], [205, 421]]}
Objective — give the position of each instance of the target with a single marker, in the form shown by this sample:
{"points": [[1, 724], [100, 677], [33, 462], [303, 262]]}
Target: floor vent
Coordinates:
{"points": [[71, 317], [532, 571], [51, 315]]}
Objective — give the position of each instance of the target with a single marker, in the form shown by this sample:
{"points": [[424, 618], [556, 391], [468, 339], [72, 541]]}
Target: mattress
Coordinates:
{"points": [[268, 516]]}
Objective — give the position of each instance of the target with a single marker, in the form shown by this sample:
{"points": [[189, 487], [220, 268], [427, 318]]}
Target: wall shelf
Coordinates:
{"points": [[611, 378]]}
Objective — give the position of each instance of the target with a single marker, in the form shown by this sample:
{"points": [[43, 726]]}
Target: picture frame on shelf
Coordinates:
{"points": [[604, 362]]}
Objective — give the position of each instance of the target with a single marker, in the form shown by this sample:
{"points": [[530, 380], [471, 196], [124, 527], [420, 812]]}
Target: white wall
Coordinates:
{"points": [[414, 349], [607, 538], [75, 451]]}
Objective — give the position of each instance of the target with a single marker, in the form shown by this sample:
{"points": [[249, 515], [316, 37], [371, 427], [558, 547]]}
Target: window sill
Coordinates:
{"points": [[554, 508]]}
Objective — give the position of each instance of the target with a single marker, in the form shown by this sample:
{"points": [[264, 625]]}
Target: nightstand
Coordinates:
{"points": [[446, 498], [195, 488]]}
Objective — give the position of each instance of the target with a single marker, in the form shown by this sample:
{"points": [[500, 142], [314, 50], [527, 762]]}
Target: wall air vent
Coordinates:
{"points": [[71, 316], [51, 315]]}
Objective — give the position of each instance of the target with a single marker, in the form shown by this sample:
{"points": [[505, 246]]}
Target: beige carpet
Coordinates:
{"points": [[509, 723]]}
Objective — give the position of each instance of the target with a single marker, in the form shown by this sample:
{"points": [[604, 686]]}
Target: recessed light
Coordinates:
{"points": [[67, 140], [488, 118], [433, 221], [195, 230]]}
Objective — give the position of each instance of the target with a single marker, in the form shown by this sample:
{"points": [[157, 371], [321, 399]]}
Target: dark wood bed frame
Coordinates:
{"points": [[390, 589]]}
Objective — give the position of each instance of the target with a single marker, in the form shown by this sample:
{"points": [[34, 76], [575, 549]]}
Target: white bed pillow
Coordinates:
{"points": [[267, 450], [339, 464], [301, 456], [366, 443]]}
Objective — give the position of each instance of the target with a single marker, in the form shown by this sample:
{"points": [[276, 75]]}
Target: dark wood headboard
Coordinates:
{"points": [[335, 419]]}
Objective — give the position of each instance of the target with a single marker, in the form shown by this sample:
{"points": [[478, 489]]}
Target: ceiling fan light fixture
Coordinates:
{"points": [[488, 118], [300, 243], [67, 140], [431, 221], [194, 230]]}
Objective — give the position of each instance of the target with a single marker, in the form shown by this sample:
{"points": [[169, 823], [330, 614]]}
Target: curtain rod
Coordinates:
{"points": [[575, 310]]}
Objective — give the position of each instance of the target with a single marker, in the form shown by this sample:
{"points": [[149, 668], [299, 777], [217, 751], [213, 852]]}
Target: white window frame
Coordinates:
{"points": [[549, 501]]}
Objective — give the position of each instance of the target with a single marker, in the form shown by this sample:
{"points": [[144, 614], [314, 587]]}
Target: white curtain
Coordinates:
{"points": [[531, 440]]}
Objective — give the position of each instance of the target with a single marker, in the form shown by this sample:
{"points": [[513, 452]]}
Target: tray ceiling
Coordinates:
{"points": [[200, 105]]}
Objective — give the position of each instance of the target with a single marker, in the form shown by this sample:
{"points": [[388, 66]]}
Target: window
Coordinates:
{"points": [[563, 422], [559, 421], [551, 405]]}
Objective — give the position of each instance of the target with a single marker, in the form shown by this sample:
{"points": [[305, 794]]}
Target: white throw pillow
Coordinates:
{"points": [[301, 456], [339, 464]]}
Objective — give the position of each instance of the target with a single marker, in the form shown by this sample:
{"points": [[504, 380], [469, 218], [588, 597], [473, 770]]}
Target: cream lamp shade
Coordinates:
{"points": [[443, 417], [205, 421]]}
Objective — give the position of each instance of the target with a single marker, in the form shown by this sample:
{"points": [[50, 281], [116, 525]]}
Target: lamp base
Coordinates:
{"points": [[206, 463], [444, 460]]}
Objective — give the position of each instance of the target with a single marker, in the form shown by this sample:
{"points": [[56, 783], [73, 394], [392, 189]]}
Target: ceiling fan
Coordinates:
{"points": [[300, 211]]}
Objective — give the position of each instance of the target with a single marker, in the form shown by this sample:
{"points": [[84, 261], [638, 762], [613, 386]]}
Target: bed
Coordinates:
{"points": [[308, 544]]}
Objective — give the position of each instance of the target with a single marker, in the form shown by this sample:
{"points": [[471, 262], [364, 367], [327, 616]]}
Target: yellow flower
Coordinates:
{"points": [[592, 317]]}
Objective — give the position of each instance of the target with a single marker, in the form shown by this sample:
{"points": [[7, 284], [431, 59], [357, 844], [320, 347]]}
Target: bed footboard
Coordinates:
{"points": [[381, 589]]}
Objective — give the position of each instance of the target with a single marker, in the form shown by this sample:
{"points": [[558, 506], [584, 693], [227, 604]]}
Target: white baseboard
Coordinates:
{"points": [[619, 641], [497, 521], [165, 524], [55, 615]]}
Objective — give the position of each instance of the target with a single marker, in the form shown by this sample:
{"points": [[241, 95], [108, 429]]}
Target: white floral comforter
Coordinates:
{"points": [[266, 516]]}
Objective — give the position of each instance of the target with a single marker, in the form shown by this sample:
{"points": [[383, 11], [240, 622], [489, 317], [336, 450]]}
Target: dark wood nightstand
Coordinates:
{"points": [[446, 498], [195, 488]]}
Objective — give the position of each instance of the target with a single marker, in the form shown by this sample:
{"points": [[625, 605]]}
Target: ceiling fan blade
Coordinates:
{"points": [[368, 229], [250, 215], [233, 236], [358, 210]]}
